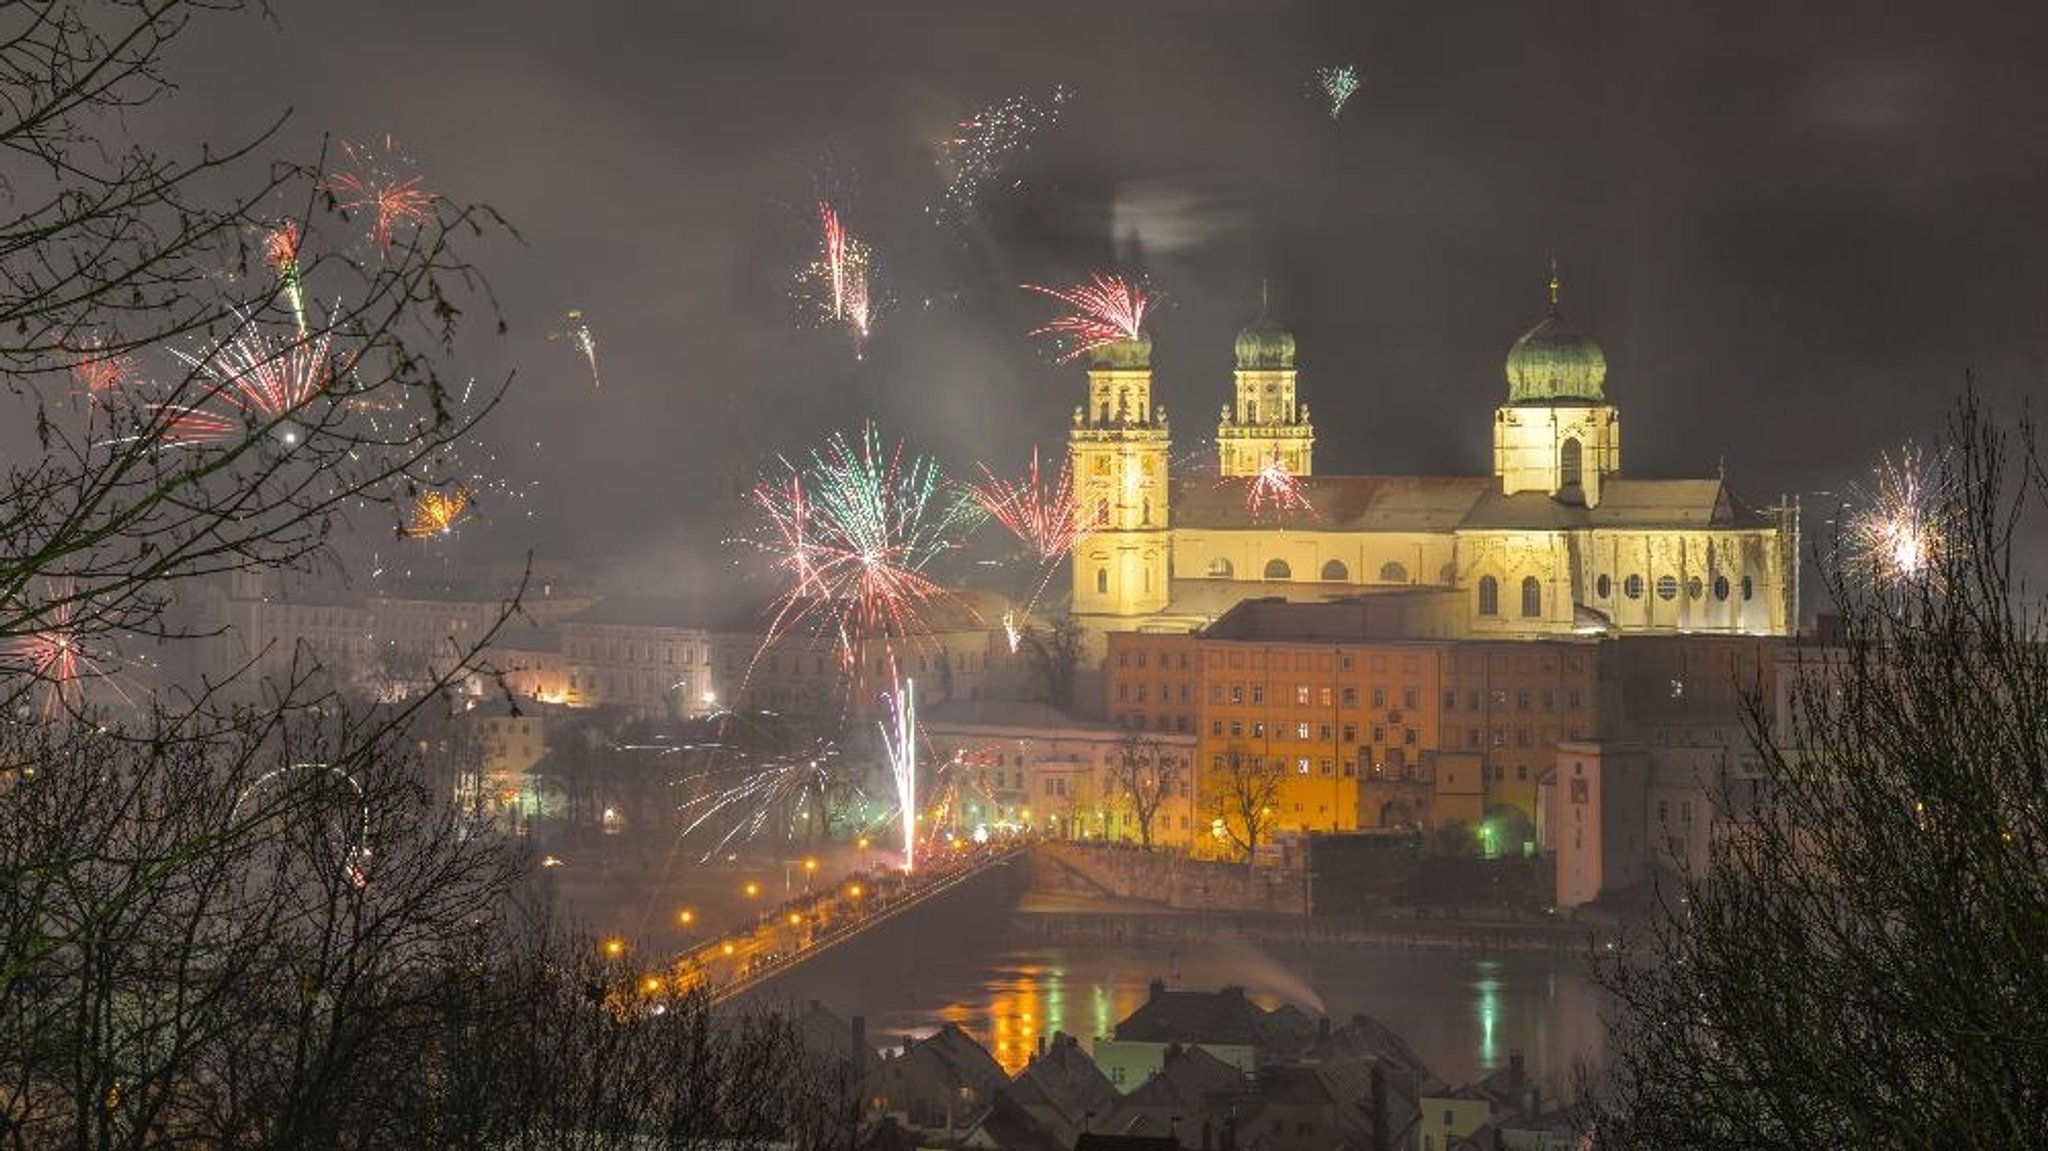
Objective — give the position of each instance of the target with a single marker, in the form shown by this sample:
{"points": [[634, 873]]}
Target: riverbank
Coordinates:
{"points": [[1070, 918]]}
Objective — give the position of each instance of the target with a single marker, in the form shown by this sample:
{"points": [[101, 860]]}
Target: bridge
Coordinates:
{"points": [[808, 927]]}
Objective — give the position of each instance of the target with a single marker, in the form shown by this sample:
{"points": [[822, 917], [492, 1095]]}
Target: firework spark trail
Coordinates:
{"points": [[56, 656], [839, 282], [767, 785], [960, 783], [1905, 525], [436, 513], [1011, 632], [580, 337], [853, 531], [1106, 310], [372, 186], [986, 142], [901, 744], [98, 370], [1274, 490], [281, 252], [1046, 517], [256, 383], [1337, 85]]}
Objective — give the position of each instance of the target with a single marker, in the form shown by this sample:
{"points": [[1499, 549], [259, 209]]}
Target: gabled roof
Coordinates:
{"points": [[1188, 1077], [1006, 1126], [1066, 1080], [966, 1062], [1221, 1017], [1623, 504], [1340, 503]]}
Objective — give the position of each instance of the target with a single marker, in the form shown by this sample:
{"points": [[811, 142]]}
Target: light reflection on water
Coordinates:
{"points": [[1463, 1014]]}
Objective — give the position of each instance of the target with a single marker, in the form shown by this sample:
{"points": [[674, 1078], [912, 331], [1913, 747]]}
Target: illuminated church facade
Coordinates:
{"points": [[1556, 542]]}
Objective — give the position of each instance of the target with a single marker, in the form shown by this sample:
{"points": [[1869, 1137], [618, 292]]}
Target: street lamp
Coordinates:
{"points": [[810, 869], [752, 889], [686, 917]]}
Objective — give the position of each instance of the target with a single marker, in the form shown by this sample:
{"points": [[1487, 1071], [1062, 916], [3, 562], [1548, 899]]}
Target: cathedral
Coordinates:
{"points": [[1556, 542]]}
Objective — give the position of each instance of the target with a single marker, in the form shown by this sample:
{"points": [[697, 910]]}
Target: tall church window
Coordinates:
{"points": [[1102, 581], [1278, 569], [1532, 597], [1721, 587], [1393, 572], [1569, 463], [1489, 596], [1335, 572], [1251, 411], [1219, 568], [1102, 511], [1604, 587]]}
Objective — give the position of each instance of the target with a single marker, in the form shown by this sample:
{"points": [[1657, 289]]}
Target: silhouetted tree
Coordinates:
{"points": [[1242, 794], [1859, 962], [1144, 776]]}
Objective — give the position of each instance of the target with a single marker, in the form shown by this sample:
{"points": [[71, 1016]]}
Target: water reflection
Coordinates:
{"points": [[1463, 1014]]}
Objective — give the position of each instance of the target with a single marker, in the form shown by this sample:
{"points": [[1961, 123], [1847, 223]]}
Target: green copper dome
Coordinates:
{"points": [[1264, 344], [1126, 354], [1553, 362]]}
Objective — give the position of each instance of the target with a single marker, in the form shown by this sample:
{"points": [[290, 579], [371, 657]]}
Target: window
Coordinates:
{"points": [[1219, 568], [1350, 697], [1603, 587], [1258, 729], [1301, 767], [1322, 731], [1667, 587], [1532, 597], [1301, 695], [1215, 693], [1335, 572], [1379, 697], [1694, 589], [1237, 693], [1301, 730], [1748, 588], [1572, 699], [1450, 699], [1393, 572], [1102, 581], [1323, 696], [1632, 587], [1569, 463], [1489, 596], [1408, 736], [1549, 700], [1350, 733], [1258, 693], [1278, 569], [1379, 734], [1215, 727]]}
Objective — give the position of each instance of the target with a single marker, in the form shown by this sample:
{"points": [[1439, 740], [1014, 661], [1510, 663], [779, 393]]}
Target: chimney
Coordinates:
{"points": [[1041, 1047], [860, 1045], [1514, 1071], [906, 1044], [1156, 989]]}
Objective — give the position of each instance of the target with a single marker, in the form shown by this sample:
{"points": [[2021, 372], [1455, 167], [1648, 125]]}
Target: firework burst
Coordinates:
{"points": [[983, 145], [1337, 85], [1273, 490], [57, 657], [1045, 517], [1106, 310], [372, 184], [899, 737], [853, 532], [99, 369], [1905, 524], [749, 791], [576, 331], [252, 382], [436, 513]]}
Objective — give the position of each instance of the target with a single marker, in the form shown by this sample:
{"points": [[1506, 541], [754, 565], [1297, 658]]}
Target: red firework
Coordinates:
{"points": [[1108, 309], [1047, 517], [251, 382], [835, 256], [1276, 490], [56, 656], [281, 248], [388, 199], [100, 370]]}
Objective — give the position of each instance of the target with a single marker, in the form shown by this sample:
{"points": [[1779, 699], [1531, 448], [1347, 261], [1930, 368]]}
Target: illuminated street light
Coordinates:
{"points": [[752, 889], [686, 917], [613, 948]]}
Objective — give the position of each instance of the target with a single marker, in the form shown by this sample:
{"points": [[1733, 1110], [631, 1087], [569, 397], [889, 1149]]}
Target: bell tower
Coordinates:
{"points": [[1118, 451], [1557, 434], [1265, 425]]}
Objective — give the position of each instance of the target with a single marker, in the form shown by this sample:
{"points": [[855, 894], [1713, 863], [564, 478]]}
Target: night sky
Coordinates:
{"points": [[1795, 228]]}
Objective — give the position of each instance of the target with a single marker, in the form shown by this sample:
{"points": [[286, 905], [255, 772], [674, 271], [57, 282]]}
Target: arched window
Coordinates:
{"points": [[1569, 463], [1748, 587], [1102, 581], [1632, 587], [1251, 411], [1278, 569], [1335, 572], [1603, 586], [1667, 587], [1721, 587], [1105, 412], [1123, 404], [1489, 596], [1219, 568], [1532, 597], [1393, 572]]}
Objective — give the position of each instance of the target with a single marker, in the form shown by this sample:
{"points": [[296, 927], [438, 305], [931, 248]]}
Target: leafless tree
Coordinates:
{"points": [[1054, 653], [1859, 963], [1145, 776], [1242, 794]]}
